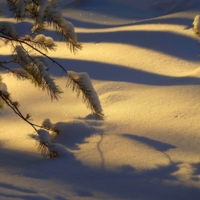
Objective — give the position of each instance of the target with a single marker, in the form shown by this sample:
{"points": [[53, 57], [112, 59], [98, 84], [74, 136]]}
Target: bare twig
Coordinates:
{"points": [[8, 101]]}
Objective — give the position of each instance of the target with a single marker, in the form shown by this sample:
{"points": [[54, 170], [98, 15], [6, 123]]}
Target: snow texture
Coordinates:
{"points": [[142, 59], [35, 28], [3, 87], [47, 124], [196, 23], [68, 28], [42, 39], [41, 66], [49, 42], [23, 59], [39, 38], [59, 149], [44, 136]]}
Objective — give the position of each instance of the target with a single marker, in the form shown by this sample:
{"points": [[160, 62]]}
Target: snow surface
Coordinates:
{"points": [[142, 57]]}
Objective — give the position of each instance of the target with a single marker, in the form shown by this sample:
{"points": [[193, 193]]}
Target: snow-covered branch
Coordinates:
{"points": [[81, 84], [26, 52]]}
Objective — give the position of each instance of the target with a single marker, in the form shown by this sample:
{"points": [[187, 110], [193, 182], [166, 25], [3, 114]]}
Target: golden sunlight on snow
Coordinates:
{"points": [[147, 76]]}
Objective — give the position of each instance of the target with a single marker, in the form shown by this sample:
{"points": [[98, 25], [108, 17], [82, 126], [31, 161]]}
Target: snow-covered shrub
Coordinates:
{"points": [[26, 52]]}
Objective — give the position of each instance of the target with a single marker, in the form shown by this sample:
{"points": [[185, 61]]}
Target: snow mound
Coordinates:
{"points": [[72, 132], [172, 6], [44, 136], [59, 149]]}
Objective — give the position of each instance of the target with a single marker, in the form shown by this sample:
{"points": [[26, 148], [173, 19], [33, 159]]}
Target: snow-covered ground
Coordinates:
{"points": [[142, 57]]}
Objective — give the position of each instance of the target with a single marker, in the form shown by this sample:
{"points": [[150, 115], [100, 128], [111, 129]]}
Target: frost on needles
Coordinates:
{"points": [[26, 61]]}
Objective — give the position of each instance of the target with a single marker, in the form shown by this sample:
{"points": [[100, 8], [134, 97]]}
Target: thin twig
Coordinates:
{"points": [[17, 111], [23, 42]]}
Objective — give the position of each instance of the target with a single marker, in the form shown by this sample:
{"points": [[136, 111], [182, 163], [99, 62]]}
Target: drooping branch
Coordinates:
{"points": [[45, 11], [34, 74], [13, 106], [81, 84], [77, 85], [43, 147]]}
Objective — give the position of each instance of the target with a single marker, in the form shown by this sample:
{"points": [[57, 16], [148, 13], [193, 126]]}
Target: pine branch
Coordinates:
{"points": [[37, 78], [74, 45], [81, 84], [45, 55], [14, 107], [15, 72], [29, 44], [59, 23], [48, 14], [44, 14], [76, 85], [42, 147], [1, 65]]}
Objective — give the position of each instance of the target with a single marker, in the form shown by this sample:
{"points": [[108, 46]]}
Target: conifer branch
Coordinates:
{"points": [[45, 55], [42, 147], [1, 65], [60, 24], [21, 41], [13, 106], [81, 84], [76, 86], [44, 14]]}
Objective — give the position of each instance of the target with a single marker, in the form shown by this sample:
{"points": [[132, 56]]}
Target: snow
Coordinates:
{"points": [[196, 23], [20, 7], [39, 38], [42, 7], [3, 88], [58, 148], [41, 66], [47, 124], [142, 58], [47, 41], [68, 28], [84, 81], [22, 57], [8, 28]]}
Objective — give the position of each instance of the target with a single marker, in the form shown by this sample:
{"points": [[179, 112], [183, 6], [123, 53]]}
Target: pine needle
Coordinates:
{"points": [[44, 150], [89, 96]]}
